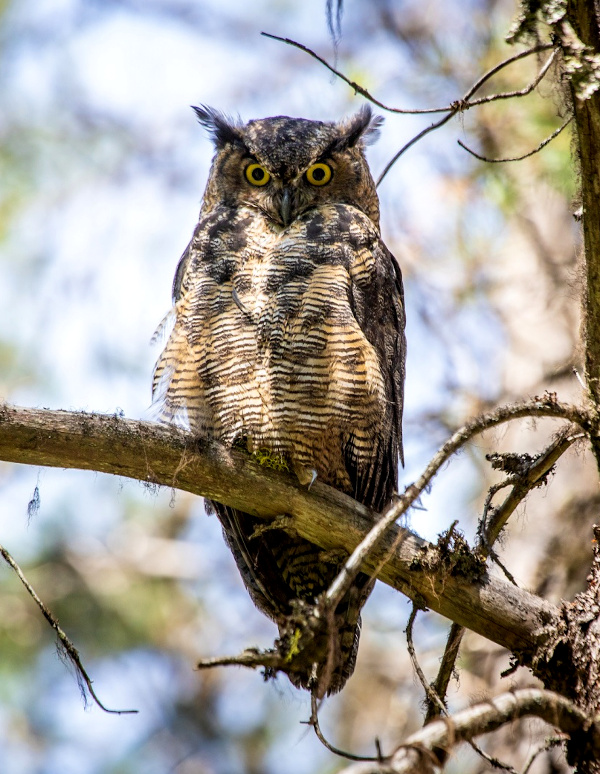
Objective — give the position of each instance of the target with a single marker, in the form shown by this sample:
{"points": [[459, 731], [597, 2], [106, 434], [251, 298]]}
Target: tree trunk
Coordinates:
{"points": [[583, 17]]}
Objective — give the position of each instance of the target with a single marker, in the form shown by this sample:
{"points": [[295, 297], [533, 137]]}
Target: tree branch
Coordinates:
{"points": [[533, 475], [171, 457], [66, 648], [480, 719], [458, 105], [546, 406]]}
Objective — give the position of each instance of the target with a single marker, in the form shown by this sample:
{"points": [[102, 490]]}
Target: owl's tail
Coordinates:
{"points": [[336, 661], [285, 574], [324, 665]]}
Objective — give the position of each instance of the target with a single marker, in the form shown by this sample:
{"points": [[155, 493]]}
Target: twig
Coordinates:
{"points": [[445, 671], [358, 89], [553, 741], [547, 406], [251, 658], [414, 140], [489, 533], [519, 92], [579, 379], [456, 106], [434, 700], [64, 642], [495, 763], [465, 103], [432, 696], [507, 573], [525, 155], [534, 476], [314, 722]]}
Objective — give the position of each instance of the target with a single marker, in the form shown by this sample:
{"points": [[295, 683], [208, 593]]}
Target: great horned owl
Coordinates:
{"points": [[288, 340]]}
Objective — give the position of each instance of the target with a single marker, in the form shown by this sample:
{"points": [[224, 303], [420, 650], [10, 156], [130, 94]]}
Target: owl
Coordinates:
{"points": [[288, 342]]}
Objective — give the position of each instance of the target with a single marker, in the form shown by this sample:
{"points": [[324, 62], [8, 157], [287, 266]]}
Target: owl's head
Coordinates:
{"points": [[285, 166]]}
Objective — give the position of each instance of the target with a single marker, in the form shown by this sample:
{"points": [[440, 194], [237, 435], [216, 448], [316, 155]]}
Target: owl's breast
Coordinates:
{"points": [[318, 376], [279, 357]]}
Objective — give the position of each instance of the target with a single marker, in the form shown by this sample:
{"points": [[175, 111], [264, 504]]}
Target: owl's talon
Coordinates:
{"points": [[306, 476]]}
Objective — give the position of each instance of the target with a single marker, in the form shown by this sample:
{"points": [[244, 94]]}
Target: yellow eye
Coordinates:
{"points": [[319, 174], [256, 174]]}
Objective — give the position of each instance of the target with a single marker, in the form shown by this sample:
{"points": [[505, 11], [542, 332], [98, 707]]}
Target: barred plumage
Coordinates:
{"points": [[289, 336]]}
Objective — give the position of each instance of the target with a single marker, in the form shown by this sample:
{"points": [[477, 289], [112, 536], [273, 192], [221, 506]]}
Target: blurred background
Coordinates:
{"points": [[102, 168]]}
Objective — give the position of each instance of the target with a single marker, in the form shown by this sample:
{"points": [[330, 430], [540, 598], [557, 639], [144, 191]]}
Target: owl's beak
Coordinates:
{"points": [[285, 208]]}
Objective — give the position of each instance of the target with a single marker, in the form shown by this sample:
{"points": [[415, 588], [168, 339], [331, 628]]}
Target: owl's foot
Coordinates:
{"points": [[283, 522], [306, 476]]}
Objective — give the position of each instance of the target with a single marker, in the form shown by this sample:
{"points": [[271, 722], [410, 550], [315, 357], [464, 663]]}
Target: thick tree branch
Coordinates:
{"points": [[171, 457]]}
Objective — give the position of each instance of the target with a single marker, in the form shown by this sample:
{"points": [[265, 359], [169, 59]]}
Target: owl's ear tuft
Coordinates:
{"points": [[362, 127], [221, 128]]}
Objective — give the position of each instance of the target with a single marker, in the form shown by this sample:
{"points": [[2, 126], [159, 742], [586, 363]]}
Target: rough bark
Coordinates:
{"points": [[574, 664], [570, 662], [447, 577], [582, 15]]}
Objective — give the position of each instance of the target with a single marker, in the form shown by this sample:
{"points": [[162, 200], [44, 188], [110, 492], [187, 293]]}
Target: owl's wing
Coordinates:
{"points": [[379, 310], [180, 272], [176, 389]]}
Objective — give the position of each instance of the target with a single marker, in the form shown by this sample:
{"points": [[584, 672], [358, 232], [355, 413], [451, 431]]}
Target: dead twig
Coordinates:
{"points": [[65, 645], [534, 475], [435, 701], [433, 697], [553, 741], [456, 106], [519, 92], [251, 658], [459, 106], [525, 155], [314, 722], [489, 531], [445, 672]]}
